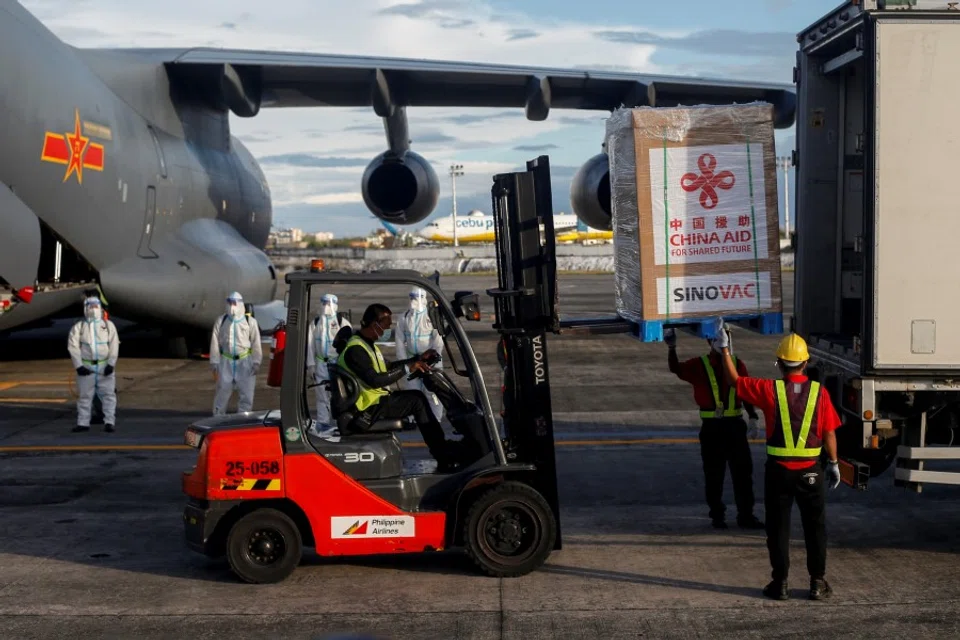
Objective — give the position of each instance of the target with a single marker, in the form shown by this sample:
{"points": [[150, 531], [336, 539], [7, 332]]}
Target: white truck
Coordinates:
{"points": [[878, 232]]}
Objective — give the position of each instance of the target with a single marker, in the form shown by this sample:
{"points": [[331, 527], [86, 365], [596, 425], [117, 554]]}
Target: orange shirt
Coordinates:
{"points": [[760, 393]]}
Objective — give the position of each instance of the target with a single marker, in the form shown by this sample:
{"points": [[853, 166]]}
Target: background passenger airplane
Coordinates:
{"points": [[477, 227]]}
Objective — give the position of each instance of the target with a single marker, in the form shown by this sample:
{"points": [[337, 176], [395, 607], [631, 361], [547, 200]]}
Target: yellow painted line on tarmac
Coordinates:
{"points": [[55, 448], [180, 447], [4, 386], [41, 383], [5, 400]]}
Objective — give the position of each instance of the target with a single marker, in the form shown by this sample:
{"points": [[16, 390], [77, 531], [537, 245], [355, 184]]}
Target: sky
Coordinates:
{"points": [[314, 158]]}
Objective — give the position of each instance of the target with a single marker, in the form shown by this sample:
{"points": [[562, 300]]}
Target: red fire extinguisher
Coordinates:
{"points": [[277, 346]]}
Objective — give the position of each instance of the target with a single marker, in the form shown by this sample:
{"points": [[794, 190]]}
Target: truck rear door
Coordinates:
{"points": [[915, 192]]}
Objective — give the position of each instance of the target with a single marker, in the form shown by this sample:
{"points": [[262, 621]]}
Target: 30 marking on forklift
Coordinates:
{"points": [[250, 484]]}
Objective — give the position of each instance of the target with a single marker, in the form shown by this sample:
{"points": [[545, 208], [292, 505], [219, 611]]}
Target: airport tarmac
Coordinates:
{"points": [[91, 540]]}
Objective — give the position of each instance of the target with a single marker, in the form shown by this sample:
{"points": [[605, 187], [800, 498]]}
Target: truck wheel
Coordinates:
{"points": [[264, 546], [510, 530]]}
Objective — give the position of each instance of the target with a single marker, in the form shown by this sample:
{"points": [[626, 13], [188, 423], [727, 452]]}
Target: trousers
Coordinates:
{"points": [[781, 487], [322, 393], [244, 380], [96, 384], [434, 401], [400, 404], [723, 442]]}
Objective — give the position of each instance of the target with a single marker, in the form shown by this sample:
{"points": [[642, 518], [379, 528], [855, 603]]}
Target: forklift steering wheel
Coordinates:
{"points": [[429, 362], [415, 375]]}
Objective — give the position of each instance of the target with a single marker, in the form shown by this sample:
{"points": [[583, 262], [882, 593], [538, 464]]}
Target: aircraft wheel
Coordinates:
{"points": [[264, 546], [510, 530]]}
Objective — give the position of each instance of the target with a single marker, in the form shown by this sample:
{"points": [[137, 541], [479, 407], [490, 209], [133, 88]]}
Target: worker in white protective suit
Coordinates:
{"points": [[235, 356], [94, 348], [415, 334], [320, 352]]}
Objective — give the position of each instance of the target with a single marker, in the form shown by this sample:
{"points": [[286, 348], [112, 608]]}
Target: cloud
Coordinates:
{"points": [[432, 137], [713, 41], [535, 147], [314, 158], [308, 160], [521, 34]]}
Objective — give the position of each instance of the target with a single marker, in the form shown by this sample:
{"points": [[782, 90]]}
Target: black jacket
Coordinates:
{"points": [[361, 365]]}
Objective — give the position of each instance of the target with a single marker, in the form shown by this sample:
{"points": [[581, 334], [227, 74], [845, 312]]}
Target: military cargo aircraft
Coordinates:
{"points": [[119, 170]]}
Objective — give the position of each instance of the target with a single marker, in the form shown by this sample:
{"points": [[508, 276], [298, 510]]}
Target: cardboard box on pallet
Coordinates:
{"points": [[695, 212]]}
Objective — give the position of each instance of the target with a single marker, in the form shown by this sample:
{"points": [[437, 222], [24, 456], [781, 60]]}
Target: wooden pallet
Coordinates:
{"points": [[652, 330]]}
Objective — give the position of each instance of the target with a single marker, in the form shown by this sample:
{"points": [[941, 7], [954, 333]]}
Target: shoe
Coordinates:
{"points": [[108, 428], [777, 590], [819, 589], [720, 523], [750, 522], [79, 428]]}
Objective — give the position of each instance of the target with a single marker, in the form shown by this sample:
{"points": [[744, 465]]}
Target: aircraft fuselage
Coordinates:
{"points": [[138, 179]]}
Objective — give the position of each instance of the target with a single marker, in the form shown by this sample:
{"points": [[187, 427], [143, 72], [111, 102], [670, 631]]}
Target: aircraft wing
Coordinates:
{"points": [[246, 80]]}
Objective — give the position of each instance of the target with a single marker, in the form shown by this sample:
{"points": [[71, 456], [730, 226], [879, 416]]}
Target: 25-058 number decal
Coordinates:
{"points": [[254, 468]]}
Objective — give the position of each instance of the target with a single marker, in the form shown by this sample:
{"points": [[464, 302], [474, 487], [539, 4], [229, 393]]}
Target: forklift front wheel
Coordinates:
{"points": [[510, 530], [264, 546]]}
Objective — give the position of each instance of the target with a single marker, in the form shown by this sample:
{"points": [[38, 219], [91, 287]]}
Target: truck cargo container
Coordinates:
{"points": [[878, 138]]}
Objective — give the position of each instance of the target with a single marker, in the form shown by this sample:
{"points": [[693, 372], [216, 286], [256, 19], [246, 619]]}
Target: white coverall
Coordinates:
{"points": [[235, 356], [320, 351], [93, 345], [415, 334]]}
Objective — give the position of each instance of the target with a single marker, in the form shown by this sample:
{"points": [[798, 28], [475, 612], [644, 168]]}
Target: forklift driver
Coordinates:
{"points": [[363, 359]]}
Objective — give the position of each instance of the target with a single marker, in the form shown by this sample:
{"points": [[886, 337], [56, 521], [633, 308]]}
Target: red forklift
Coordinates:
{"points": [[264, 487]]}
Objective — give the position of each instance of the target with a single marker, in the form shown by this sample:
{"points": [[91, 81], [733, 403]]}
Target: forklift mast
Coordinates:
{"points": [[526, 309]]}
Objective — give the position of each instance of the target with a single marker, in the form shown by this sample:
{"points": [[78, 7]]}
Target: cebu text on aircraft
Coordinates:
{"points": [[477, 227]]}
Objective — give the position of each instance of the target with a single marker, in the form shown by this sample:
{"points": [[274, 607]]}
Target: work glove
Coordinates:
{"points": [[755, 432], [83, 371], [670, 337], [723, 336], [108, 370], [833, 474]]}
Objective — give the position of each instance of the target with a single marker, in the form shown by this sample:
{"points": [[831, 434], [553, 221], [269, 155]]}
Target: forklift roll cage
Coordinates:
{"points": [[295, 411]]}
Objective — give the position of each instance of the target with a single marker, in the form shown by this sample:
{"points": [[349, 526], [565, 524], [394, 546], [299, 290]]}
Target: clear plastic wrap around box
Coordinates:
{"points": [[695, 211]]}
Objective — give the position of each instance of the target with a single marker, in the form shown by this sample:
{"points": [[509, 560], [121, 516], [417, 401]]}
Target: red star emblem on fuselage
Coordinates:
{"points": [[78, 144], [74, 150]]}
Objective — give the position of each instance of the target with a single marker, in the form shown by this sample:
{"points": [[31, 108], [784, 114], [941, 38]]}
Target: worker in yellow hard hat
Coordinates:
{"points": [[800, 420]]}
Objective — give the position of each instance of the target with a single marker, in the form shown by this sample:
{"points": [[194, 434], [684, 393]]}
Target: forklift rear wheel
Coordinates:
{"points": [[510, 530], [264, 546]]}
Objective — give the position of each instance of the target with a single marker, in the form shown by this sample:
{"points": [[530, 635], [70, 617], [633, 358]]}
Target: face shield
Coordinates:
{"points": [[92, 309], [418, 299], [235, 308], [328, 305]]}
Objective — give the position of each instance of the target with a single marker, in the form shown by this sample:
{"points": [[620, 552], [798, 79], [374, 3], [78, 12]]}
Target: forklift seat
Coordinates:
{"points": [[344, 391]]}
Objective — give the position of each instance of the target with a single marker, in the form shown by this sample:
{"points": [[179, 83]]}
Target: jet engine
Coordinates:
{"points": [[590, 193], [400, 189]]}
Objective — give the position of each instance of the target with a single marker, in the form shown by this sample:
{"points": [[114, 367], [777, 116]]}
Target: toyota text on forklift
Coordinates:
{"points": [[263, 487]]}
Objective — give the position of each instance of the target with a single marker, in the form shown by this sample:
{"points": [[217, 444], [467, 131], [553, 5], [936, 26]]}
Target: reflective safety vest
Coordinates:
{"points": [[732, 410], [781, 444], [368, 396]]}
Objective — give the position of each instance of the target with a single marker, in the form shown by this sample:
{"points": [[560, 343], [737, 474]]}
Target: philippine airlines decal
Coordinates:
{"points": [[720, 292], [707, 213], [372, 527]]}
